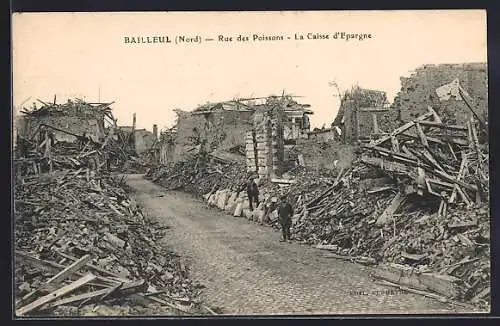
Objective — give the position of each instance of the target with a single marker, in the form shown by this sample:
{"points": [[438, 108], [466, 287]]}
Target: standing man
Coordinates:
{"points": [[285, 213], [252, 192]]}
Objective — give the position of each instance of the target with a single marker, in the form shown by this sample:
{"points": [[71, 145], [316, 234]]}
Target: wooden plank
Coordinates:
{"points": [[475, 141], [395, 144], [392, 208], [168, 304], [428, 155], [421, 134], [434, 114], [407, 152], [461, 174], [449, 178], [275, 180], [40, 263], [442, 126], [96, 268], [62, 275], [399, 156], [414, 257], [68, 271], [441, 183], [462, 225], [54, 295], [373, 109], [401, 129], [111, 291], [466, 97], [85, 296], [385, 165]]}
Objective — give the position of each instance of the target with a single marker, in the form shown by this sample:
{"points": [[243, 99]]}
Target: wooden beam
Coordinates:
{"points": [[62, 275], [421, 134], [391, 209], [94, 294], [461, 174], [386, 165], [428, 155], [54, 295], [443, 126], [395, 144], [373, 109], [434, 114], [68, 271], [96, 268], [464, 95], [448, 177]]}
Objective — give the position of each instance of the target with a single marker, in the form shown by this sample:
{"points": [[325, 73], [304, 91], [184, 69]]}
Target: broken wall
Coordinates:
{"points": [[419, 91], [144, 139], [358, 124], [92, 126], [265, 148], [221, 129]]}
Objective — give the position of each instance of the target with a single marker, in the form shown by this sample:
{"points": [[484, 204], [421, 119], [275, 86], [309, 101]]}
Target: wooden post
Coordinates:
{"points": [[375, 123]]}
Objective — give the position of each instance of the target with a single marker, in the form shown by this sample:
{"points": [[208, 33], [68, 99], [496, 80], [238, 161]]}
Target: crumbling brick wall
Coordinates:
{"points": [[358, 124], [419, 91], [143, 140], [220, 129], [92, 126]]}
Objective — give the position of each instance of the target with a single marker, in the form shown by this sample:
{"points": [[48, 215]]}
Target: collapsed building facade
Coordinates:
{"points": [[412, 199], [366, 113], [66, 120], [224, 126]]}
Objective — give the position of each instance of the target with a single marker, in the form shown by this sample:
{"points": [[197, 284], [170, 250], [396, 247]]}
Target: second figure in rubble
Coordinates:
{"points": [[285, 213], [252, 192]]}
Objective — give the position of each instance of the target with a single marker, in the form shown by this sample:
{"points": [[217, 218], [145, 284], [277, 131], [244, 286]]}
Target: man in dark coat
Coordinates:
{"points": [[252, 192], [285, 213]]}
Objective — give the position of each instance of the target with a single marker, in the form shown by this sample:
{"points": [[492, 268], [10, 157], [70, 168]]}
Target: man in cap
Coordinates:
{"points": [[285, 213], [252, 192]]}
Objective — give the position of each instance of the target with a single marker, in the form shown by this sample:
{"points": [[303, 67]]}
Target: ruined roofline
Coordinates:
{"points": [[76, 107], [467, 66]]}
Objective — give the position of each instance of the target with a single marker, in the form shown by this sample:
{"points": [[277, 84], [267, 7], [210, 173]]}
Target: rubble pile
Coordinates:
{"points": [[80, 241], [416, 197], [199, 174], [72, 107], [45, 154]]}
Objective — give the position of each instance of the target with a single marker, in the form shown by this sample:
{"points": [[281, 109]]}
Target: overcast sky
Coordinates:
{"points": [[75, 54]]}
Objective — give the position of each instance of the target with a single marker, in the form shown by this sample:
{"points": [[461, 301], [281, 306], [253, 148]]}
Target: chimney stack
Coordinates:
{"points": [[155, 131]]}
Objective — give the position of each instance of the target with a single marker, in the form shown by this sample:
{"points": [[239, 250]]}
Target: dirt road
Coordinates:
{"points": [[246, 270]]}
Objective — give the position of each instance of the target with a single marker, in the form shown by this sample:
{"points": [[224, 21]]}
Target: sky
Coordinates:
{"points": [[85, 55]]}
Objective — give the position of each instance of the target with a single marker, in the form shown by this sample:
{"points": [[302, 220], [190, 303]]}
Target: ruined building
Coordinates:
{"points": [[364, 113], [224, 125], [360, 112], [419, 91], [67, 120]]}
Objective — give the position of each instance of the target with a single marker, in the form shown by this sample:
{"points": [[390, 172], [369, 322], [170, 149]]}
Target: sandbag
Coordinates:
{"points": [[238, 210], [222, 200]]}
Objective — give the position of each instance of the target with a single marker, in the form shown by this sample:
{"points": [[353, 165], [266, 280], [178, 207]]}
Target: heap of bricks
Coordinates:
{"points": [[419, 91]]}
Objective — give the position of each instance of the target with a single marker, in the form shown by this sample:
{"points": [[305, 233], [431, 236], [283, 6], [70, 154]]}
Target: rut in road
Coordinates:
{"points": [[246, 270]]}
